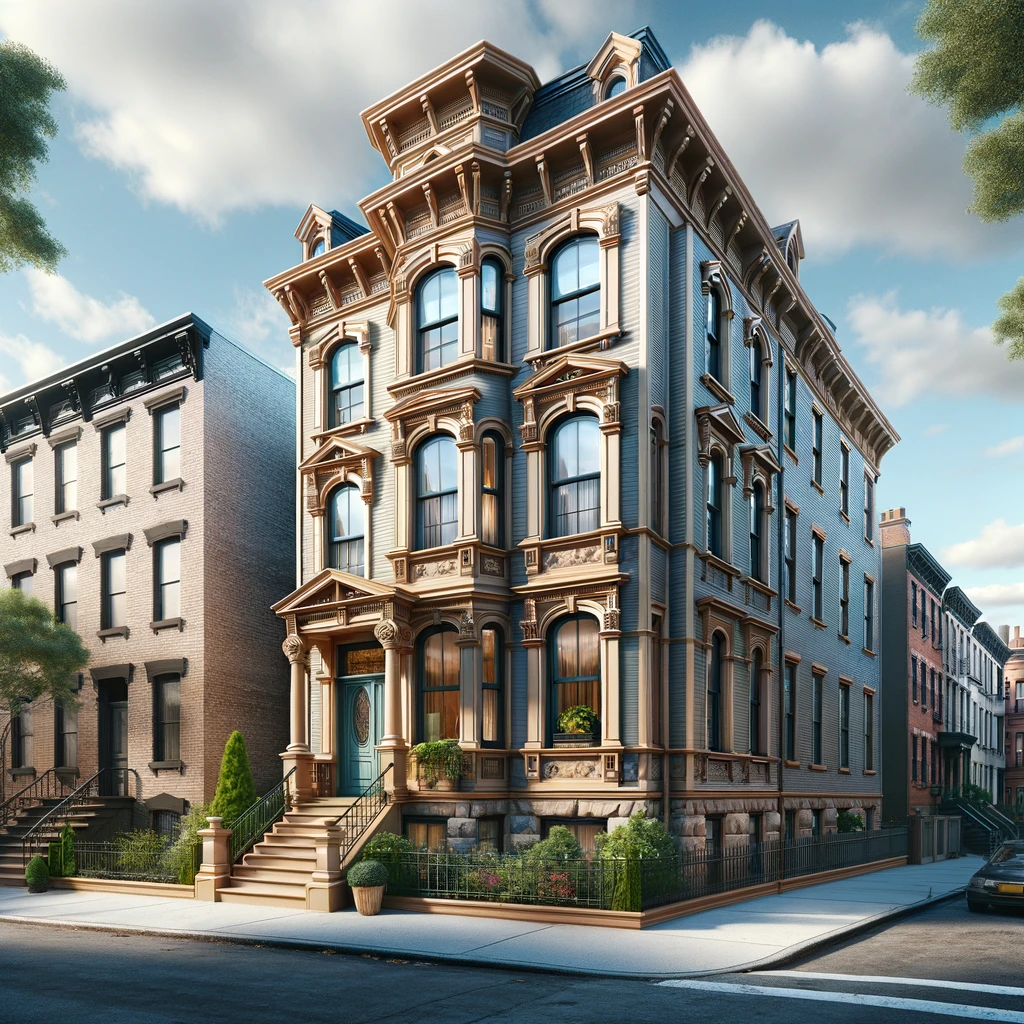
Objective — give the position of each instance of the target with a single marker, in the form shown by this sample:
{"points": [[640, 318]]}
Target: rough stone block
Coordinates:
{"points": [[521, 840], [461, 845], [614, 823], [736, 824], [462, 828], [523, 823]]}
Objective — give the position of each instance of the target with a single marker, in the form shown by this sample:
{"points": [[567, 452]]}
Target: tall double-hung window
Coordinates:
{"points": [[575, 474], [345, 525], [346, 385], [575, 291], [437, 319], [437, 492]]}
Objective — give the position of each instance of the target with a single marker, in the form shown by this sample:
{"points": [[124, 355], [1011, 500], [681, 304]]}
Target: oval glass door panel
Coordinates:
{"points": [[361, 716]]}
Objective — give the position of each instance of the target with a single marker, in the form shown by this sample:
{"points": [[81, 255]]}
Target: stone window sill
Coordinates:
{"points": [[63, 517], [24, 528], [23, 773], [168, 485], [844, 771], [818, 487], [175, 623], [870, 771], [103, 634], [819, 768], [870, 654], [792, 454], [166, 766], [791, 764], [845, 517], [845, 639], [718, 389], [793, 607], [117, 499], [818, 624]]}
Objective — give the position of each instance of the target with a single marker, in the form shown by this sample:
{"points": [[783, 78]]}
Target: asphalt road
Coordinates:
{"points": [[51, 974]]}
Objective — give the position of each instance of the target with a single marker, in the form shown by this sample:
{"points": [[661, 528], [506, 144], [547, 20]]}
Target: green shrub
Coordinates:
{"points": [[848, 822], [67, 851], [386, 847], [367, 873], [236, 791], [578, 718], [139, 853], [439, 759], [180, 860], [53, 859], [641, 838], [976, 796], [37, 875], [560, 844]]}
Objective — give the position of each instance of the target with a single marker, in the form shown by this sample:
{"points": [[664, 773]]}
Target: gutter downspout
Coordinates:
{"points": [[780, 423]]}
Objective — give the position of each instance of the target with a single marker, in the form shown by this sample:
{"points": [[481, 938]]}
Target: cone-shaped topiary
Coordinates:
{"points": [[236, 792], [67, 851], [37, 875]]}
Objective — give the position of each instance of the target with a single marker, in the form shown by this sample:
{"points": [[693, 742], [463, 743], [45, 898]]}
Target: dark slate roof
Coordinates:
{"points": [[989, 639], [962, 606], [344, 229], [571, 93], [923, 565]]}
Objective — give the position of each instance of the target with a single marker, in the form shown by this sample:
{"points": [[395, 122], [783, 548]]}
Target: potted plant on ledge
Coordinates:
{"points": [[367, 880], [441, 764], [577, 727]]}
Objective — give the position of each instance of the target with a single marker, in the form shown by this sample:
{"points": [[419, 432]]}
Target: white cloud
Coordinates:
{"points": [[930, 351], [56, 300], [1007, 447], [833, 137], [257, 321], [215, 107], [999, 545], [33, 360], [935, 429], [997, 595]]}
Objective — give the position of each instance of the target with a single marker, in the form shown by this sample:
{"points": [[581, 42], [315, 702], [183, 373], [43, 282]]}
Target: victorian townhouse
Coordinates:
{"points": [[1014, 719], [151, 505], [571, 433]]}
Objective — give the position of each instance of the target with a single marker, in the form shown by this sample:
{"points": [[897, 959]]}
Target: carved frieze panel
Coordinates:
{"points": [[571, 769]]}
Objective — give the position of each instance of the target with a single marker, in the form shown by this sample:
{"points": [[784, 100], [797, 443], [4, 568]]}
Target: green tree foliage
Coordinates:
{"points": [[37, 875], [236, 791], [976, 70], [849, 822], [26, 82], [560, 844], [641, 838], [39, 656]]}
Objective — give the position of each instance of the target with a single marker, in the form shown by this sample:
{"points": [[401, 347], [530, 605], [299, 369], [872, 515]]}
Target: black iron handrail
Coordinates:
{"points": [[358, 818], [44, 787], [88, 790], [4, 736], [254, 821]]}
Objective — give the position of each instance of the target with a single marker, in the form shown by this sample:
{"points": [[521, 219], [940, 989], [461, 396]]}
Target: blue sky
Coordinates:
{"points": [[193, 136]]}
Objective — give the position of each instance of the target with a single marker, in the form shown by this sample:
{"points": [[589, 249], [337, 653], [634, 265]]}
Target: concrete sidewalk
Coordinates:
{"points": [[757, 933]]}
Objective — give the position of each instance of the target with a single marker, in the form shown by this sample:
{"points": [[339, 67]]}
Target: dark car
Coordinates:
{"points": [[1000, 883]]}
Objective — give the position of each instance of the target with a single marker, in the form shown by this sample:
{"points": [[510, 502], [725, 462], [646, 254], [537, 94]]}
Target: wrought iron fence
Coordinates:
{"points": [[135, 861], [48, 786], [251, 824], [635, 884]]}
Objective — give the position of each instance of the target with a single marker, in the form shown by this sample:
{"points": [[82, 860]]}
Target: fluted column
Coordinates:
{"points": [[395, 639]]}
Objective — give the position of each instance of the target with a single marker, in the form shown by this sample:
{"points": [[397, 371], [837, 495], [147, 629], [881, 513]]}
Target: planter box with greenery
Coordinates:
{"points": [[37, 875], [441, 764], [577, 727], [367, 880]]}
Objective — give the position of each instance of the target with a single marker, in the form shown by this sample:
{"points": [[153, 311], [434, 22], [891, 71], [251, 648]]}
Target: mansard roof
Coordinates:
{"points": [[922, 563], [962, 606]]}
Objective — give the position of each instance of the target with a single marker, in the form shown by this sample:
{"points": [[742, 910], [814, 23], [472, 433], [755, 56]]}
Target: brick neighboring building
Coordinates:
{"points": [[912, 672], [142, 487], [1013, 674]]}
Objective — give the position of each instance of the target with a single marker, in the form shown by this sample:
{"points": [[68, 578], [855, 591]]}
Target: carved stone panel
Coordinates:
{"points": [[571, 770]]}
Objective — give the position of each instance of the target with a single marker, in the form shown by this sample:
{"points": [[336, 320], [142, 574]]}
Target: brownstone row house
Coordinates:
{"points": [[147, 510], [1014, 738]]}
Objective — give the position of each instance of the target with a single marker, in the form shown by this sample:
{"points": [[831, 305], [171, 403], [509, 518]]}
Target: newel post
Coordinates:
{"points": [[215, 872]]}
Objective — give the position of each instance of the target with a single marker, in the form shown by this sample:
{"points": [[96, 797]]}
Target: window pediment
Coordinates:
{"points": [[716, 422], [758, 462], [330, 589], [329, 464], [452, 408]]}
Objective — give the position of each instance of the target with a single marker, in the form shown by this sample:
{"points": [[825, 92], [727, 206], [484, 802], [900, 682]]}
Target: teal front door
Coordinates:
{"points": [[359, 724]]}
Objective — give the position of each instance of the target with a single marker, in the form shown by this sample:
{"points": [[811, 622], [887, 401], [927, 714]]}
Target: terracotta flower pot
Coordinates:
{"points": [[368, 899]]}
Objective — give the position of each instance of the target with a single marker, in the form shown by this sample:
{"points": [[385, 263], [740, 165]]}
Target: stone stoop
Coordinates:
{"points": [[279, 870], [91, 815]]}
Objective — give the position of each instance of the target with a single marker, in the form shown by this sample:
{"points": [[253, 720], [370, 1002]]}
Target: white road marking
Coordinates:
{"points": [[881, 979], [852, 998]]}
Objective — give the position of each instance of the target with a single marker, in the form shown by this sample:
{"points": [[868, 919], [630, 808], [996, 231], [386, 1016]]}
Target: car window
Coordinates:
{"points": [[1007, 853]]}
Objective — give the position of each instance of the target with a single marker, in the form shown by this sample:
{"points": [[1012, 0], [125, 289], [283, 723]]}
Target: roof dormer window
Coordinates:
{"points": [[615, 86], [318, 248]]}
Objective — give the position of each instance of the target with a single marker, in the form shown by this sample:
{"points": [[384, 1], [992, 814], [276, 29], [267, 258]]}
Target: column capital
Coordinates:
{"points": [[393, 636], [294, 649]]}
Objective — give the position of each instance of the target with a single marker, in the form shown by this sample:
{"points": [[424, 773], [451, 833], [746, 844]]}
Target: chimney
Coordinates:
{"points": [[1004, 634], [895, 528], [1017, 642]]}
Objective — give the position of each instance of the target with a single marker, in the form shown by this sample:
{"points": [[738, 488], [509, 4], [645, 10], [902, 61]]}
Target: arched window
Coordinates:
{"points": [[437, 319], [439, 684], [575, 666], [575, 292], [615, 87], [714, 524], [437, 492], [492, 487], [345, 530], [319, 248], [346, 384], [492, 650], [715, 692], [757, 533], [492, 313], [756, 665], [713, 349], [575, 474], [757, 391]]}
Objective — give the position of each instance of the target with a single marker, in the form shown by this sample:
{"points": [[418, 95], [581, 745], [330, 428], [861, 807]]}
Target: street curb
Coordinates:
{"points": [[785, 956]]}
